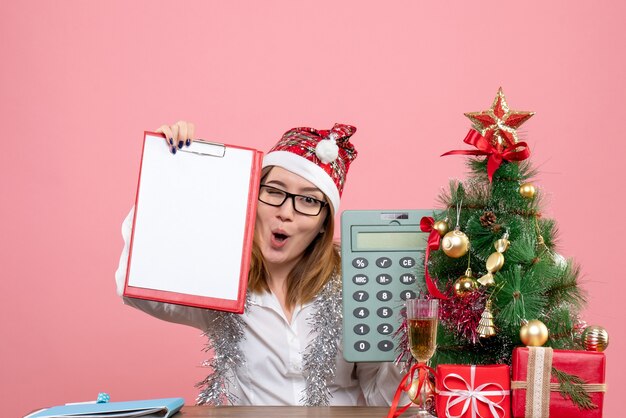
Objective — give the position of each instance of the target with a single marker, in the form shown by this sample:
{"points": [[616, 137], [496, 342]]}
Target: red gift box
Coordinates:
{"points": [[536, 389], [473, 391]]}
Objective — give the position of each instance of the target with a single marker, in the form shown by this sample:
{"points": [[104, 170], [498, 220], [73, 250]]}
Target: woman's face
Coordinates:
{"points": [[282, 233]]}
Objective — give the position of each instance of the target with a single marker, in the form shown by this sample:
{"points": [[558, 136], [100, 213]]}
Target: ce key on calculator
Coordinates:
{"points": [[382, 255]]}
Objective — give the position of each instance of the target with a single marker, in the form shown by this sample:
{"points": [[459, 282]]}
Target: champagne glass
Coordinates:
{"points": [[422, 318]]}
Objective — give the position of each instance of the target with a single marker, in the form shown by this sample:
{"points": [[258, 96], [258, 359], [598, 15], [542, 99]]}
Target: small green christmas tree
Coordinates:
{"points": [[508, 271]]}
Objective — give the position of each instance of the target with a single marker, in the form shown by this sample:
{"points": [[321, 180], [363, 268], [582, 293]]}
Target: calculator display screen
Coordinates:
{"points": [[399, 241]]}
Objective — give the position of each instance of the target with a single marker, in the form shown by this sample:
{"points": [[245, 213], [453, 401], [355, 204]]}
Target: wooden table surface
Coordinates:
{"points": [[285, 412]]}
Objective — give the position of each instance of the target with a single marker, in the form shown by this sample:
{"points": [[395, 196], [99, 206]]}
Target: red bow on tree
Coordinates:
{"points": [[495, 153]]}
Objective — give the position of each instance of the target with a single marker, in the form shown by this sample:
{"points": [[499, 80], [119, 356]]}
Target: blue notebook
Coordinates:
{"points": [[152, 408]]}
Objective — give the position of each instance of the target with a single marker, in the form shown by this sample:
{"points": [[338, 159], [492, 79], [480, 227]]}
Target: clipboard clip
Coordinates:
{"points": [[206, 148]]}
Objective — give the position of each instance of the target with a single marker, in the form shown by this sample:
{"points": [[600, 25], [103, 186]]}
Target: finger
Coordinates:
{"points": [[165, 130], [182, 133], [191, 133], [174, 129]]}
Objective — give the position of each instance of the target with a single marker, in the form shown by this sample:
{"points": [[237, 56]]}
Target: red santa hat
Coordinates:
{"points": [[322, 157]]}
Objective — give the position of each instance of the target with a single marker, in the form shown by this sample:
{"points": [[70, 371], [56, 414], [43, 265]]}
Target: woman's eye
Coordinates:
{"points": [[308, 200]]}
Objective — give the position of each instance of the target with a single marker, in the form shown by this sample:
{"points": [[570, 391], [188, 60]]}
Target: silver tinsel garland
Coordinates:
{"points": [[319, 360], [224, 335]]}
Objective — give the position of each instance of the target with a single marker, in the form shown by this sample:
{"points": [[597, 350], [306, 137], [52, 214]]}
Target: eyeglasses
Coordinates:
{"points": [[305, 205]]}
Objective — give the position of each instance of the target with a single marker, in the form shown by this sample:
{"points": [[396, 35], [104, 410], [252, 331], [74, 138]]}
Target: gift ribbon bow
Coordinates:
{"points": [[405, 385], [426, 225], [472, 395], [520, 151]]}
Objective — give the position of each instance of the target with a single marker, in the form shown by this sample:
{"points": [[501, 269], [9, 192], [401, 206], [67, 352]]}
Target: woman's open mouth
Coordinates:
{"points": [[279, 239]]}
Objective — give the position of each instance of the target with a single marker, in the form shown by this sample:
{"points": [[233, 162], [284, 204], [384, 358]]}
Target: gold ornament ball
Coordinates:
{"points": [[441, 227], [455, 244], [527, 190], [595, 338], [465, 285], [427, 390], [534, 333]]}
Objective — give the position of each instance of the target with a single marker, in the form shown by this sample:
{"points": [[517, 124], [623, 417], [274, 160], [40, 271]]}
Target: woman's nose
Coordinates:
{"points": [[286, 210]]}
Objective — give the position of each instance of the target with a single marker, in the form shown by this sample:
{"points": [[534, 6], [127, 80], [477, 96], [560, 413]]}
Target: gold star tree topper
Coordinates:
{"points": [[499, 124]]}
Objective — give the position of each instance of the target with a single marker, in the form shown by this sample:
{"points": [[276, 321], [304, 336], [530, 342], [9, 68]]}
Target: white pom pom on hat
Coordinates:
{"points": [[327, 150]]}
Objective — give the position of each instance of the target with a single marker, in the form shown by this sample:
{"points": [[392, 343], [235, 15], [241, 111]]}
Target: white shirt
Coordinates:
{"points": [[273, 348]]}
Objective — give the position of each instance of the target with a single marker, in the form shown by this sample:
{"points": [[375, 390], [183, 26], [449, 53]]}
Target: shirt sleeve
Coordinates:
{"points": [[379, 382], [186, 315]]}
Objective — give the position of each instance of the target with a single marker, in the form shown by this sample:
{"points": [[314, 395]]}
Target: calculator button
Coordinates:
{"points": [[383, 262], [359, 263], [361, 312], [407, 294], [385, 329], [384, 312], [360, 296], [384, 295], [407, 262], [383, 279], [361, 329], [361, 346], [407, 278], [385, 345], [360, 279]]}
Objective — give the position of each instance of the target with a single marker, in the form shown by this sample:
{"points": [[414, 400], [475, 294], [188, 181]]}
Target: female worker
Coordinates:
{"points": [[285, 349]]}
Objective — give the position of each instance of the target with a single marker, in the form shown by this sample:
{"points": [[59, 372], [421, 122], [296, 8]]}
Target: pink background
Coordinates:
{"points": [[80, 82]]}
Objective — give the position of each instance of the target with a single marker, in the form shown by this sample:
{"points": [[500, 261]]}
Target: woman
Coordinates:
{"points": [[285, 349]]}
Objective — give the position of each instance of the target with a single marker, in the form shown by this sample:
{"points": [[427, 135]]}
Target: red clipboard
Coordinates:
{"points": [[193, 225]]}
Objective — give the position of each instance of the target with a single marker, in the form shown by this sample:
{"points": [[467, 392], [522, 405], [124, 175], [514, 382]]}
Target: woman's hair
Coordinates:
{"points": [[320, 261]]}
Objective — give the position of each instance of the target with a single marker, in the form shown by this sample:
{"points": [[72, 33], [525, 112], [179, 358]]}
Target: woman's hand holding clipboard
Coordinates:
{"points": [[179, 135]]}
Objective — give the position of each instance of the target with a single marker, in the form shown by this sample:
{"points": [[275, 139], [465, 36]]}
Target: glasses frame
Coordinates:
{"points": [[292, 196]]}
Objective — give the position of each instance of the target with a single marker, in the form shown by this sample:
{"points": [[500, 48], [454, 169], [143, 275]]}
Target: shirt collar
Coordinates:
{"points": [[267, 300]]}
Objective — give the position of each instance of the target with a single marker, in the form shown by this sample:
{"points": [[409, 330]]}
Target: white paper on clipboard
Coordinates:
{"points": [[194, 224]]}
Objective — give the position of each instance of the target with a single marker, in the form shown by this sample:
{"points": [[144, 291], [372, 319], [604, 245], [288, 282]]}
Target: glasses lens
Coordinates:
{"points": [[307, 205], [272, 196]]}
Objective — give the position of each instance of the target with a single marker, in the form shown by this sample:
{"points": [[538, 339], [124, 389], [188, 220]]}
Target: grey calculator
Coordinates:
{"points": [[382, 254]]}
